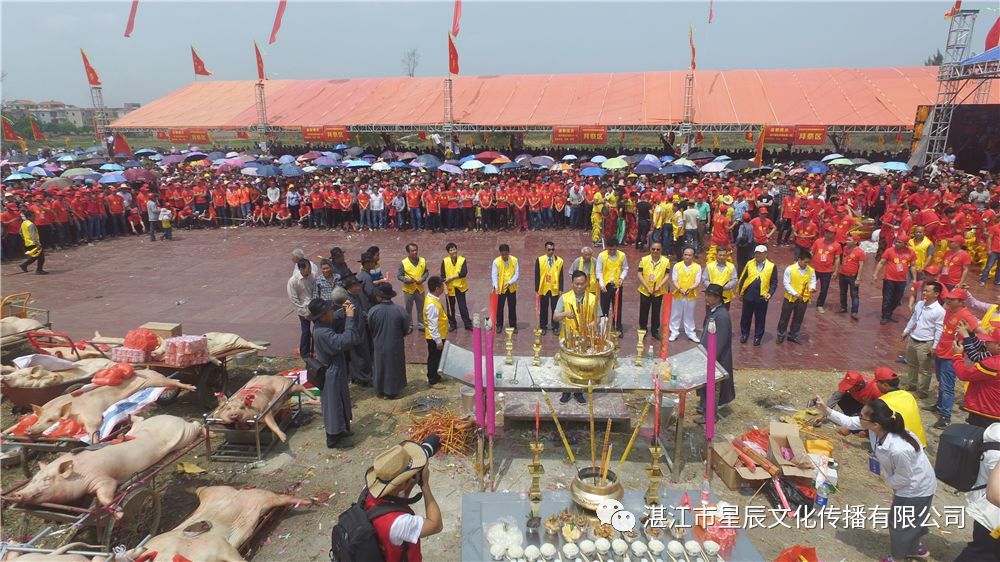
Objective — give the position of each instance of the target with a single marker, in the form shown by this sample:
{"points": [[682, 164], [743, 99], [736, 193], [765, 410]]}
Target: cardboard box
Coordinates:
{"points": [[731, 471], [786, 435], [165, 330]]}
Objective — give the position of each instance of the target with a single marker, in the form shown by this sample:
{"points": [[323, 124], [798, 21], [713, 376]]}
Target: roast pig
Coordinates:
{"points": [[98, 471], [58, 555], [225, 519], [38, 376], [88, 408], [220, 342], [253, 399]]}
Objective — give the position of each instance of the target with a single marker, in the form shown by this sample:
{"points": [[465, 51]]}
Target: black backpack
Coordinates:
{"points": [[353, 538], [959, 453]]}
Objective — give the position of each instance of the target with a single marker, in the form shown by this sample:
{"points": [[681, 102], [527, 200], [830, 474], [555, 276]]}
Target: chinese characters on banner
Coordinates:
{"points": [[312, 134], [161, 135], [580, 135], [321, 134], [810, 134], [779, 134], [199, 136], [184, 136], [794, 134]]}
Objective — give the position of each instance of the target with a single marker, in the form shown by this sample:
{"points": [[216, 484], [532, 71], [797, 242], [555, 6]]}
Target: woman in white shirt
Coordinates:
{"points": [[901, 461]]}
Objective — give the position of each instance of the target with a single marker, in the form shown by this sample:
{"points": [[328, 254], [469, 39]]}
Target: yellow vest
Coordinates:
{"points": [[570, 305], [659, 214], [612, 266], [921, 251], [431, 300], [678, 227], [653, 274], [26, 236], [721, 277], [452, 269], [591, 272], [548, 277], [414, 272], [988, 318], [903, 402], [597, 205], [750, 274], [612, 199], [800, 282], [505, 272], [687, 278]]}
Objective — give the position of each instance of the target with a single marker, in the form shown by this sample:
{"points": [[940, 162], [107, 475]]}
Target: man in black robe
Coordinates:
{"points": [[389, 324], [725, 390]]}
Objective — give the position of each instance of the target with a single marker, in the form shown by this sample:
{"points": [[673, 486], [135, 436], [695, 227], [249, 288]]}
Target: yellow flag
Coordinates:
{"points": [[715, 141], [880, 141]]}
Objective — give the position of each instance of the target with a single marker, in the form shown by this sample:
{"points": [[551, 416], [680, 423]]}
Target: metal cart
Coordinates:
{"points": [[252, 442]]}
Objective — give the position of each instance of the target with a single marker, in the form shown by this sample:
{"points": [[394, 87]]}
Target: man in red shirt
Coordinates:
{"points": [[944, 352], [826, 261], [432, 204], [763, 228], [851, 265], [486, 206], [413, 195], [993, 247], [468, 213], [955, 266], [11, 218], [853, 392], [897, 262], [805, 231]]}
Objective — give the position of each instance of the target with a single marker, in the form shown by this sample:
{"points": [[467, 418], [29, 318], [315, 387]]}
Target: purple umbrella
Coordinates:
{"points": [[326, 161], [450, 168], [172, 159], [192, 156], [139, 174]]}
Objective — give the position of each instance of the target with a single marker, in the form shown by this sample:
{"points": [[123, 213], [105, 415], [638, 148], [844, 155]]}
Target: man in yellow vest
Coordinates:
{"points": [[612, 269], [685, 278], [32, 244], [413, 274], [799, 281], [922, 247], [721, 272], [757, 284], [597, 219], [436, 327], [587, 264], [455, 272], [504, 275], [569, 313], [548, 285], [654, 282]]}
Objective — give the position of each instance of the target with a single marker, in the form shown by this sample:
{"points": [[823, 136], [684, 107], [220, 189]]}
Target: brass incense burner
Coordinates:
{"points": [[588, 492], [592, 364]]}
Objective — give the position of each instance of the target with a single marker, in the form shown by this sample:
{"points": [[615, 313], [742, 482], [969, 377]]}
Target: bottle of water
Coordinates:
{"points": [[649, 354], [822, 495], [706, 492]]}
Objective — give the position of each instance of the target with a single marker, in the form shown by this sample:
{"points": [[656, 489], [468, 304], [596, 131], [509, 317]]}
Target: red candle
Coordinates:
{"points": [[538, 306], [538, 419]]}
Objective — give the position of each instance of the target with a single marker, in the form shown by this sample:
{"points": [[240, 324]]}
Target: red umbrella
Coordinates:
{"points": [[139, 174], [488, 156]]}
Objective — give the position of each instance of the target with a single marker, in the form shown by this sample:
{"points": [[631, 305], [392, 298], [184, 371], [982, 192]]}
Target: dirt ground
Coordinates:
{"points": [[305, 467]]}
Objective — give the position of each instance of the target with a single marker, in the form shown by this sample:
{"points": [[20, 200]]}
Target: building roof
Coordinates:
{"points": [[821, 96]]}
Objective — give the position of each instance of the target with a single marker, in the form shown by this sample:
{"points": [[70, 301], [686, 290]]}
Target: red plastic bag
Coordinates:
{"points": [[798, 553], [24, 423], [143, 339], [66, 428], [114, 376]]}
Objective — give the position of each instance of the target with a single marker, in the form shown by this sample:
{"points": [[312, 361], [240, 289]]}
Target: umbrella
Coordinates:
{"points": [[644, 169], [896, 167], [511, 166], [227, 166], [472, 165], [666, 158], [131, 164], [490, 169], [95, 149], [465, 159], [290, 171], [569, 157], [652, 158], [542, 161], [111, 168], [488, 156], [833, 156], [840, 162], [598, 159], [172, 159], [18, 176], [139, 174], [388, 156], [521, 159], [311, 155], [407, 156], [66, 158], [796, 171], [860, 161], [380, 166], [192, 156], [450, 168], [722, 158], [215, 155], [142, 151], [57, 183], [814, 167], [341, 147], [249, 171], [675, 169], [309, 169], [359, 164], [399, 165], [592, 171], [267, 171], [427, 161], [156, 157], [701, 155], [588, 165], [35, 163], [35, 171], [94, 162], [871, 169], [633, 158], [713, 167], [736, 165], [325, 162], [112, 177], [355, 151], [76, 172], [684, 162], [453, 162], [614, 164], [53, 168], [561, 167], [232, 154]]}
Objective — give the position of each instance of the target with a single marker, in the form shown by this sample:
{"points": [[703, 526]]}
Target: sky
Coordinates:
{"points": [[40, 41]]}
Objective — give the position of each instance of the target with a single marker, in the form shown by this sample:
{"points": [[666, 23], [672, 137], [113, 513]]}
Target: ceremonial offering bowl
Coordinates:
{"points": [[587, 491], [581, 369]]}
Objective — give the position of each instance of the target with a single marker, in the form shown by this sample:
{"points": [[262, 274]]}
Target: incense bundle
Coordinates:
{"points": [[555, 418], [607, 445], [593, 447], [605, 464], [635, 433]]}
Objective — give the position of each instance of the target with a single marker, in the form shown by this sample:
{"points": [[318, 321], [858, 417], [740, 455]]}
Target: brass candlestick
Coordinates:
{"points": [[536, 470], [509, 346], [655, 475], [537, 347], [638, 348]]}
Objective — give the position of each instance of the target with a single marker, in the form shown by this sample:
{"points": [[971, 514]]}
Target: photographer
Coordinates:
{"points": [[391, 480]]}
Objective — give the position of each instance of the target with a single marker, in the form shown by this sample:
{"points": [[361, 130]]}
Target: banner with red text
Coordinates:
{"points": [[810, 134]]}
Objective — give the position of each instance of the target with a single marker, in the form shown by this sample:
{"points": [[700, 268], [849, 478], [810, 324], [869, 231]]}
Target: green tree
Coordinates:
{"points": [[935, 60]]}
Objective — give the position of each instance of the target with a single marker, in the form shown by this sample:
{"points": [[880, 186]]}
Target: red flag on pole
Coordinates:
{"points": [[277, 22], [759, 157], [993, 35], [39, 136], [92, 78], [199, 65], [9, 134], [456, 18], [452, 56], [121, 146], [691, 41], [698, 138], [131, 18], [260, 62], [711, 14], [954, 9]]}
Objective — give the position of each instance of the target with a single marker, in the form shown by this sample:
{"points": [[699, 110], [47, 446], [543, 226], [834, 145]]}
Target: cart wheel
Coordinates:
{"points": [[140, 517], [168, 396], [211, 379], [27, 456]]}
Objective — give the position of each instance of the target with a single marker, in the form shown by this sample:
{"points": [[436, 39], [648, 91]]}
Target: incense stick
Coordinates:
{"points": [[593, 447], [635, 434], [606, 464], [607, 439], [555, 418]]}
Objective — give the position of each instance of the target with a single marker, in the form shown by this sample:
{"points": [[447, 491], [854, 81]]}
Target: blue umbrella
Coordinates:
{"points": [[326, 162], [267, 171], [598, 159], [254, 165], [667, 158], [142, 151], [490, 169], [722, 158], [35, 171], [511, 166], [216, 155], [340, 147], [643, 169], [814, 167], [18, 176], [472, 165], [359, 164], [35, 163], [291, 171], [450, 168], [131, 164], [672, 170], [398, 165], [112, 177], [467, 158], [111, 168], [595, 171], [286, 159], [896, 167], [66, 158]]}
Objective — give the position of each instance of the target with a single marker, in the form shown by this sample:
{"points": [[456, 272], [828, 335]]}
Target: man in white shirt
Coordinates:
{"points": [[799, 283], [301, 287], [378, 207], [686, 277], [921, 335]]}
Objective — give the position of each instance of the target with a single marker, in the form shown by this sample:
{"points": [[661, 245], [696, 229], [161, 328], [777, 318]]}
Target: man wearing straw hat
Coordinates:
{"points": [[389, 483]]}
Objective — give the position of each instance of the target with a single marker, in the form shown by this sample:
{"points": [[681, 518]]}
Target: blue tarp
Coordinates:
{"points": [[991, 55]]}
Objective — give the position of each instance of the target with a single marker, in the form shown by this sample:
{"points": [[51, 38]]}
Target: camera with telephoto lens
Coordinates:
{"points": [[431, 445]]}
